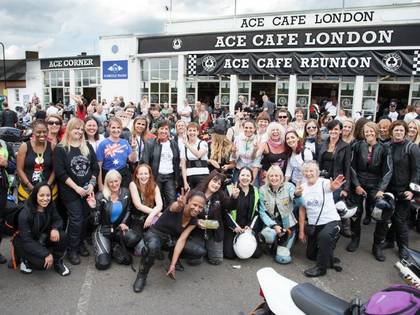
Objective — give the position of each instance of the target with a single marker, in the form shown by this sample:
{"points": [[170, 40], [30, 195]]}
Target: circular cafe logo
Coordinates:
{"points": [[346, 102], [282, 100], [302, 101], [177, 43], [208, 63], [114, 49], [392, 62]]}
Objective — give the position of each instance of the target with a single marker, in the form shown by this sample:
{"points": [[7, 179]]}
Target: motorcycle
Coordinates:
{"points": [[284, 296]]}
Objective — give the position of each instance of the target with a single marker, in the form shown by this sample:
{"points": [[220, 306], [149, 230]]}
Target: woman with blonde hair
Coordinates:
{"points": [[275, 150], [348, 130], [277, 200], [414, 131], [140, 132], [112, 211], [76, 171], [220, 152]]}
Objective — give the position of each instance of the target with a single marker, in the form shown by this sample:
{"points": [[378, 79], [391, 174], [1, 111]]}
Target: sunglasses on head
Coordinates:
{"points": [[57, 123]]}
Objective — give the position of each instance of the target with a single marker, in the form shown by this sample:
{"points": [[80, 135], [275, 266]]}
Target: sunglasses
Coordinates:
{"points": [[57, 123], [282, 117], [311, 127]]}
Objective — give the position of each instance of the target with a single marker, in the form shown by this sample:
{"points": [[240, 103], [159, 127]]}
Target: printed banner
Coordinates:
{"points": [[115, 70], [343, 38], [399, 63]]}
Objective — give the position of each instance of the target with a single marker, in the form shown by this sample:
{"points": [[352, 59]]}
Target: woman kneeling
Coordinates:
{"points": [[323, 228], [41, 242], [112, 213], [277, 199], [176, 223]]}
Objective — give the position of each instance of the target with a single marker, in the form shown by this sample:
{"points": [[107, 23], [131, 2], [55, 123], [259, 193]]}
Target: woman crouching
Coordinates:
{"points": [[41, 242], [277, 199], [112, 211], [324, 224], [176, 223]]}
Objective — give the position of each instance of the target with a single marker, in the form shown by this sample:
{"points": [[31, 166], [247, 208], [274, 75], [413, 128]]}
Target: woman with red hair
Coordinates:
{"points": [[146, 198]]}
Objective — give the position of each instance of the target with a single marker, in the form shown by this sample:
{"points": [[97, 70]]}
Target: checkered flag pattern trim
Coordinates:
{"points": [[192, 65], [416, 63]]}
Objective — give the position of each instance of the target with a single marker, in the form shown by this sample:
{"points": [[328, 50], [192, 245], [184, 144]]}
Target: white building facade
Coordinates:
{"points": [[362, 58]]}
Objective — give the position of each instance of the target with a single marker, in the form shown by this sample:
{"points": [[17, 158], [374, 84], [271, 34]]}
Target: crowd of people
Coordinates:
{"points": [[139, 180]]}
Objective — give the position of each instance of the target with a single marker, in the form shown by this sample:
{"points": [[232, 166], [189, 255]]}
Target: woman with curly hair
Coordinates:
{"points": [[146, 198]]}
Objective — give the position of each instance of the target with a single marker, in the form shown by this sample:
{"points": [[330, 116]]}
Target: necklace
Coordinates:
{"points": [[40, 156]]}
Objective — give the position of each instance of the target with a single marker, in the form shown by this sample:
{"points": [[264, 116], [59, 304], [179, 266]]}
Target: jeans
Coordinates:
{"points": [[78, 213], [214, 249], [167, 186], [369, 204]]}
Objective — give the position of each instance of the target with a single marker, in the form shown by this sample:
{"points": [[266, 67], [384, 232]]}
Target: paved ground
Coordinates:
{"points": [[204, 289]]}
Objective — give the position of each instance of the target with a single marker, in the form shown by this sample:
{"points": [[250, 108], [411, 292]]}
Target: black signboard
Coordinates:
{"points": [[399, 63], [346, 37], [71, 62]]}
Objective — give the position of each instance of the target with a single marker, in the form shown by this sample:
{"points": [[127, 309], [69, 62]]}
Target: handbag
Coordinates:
{"points": [[310, 228]]}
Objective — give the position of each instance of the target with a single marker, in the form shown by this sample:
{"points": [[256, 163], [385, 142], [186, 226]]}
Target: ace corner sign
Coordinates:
{"points": [[70, 62], [115, 70], [400, 63]]}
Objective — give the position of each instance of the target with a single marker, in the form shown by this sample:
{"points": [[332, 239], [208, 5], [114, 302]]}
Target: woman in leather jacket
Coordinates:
{"points": [[371, 171], [277, 200], [41, 241], [334, 158], [406, 169], [112, 211], [217, 202]]}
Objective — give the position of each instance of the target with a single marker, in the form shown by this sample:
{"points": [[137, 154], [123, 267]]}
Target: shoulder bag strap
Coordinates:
{"points": [[323, 201]]}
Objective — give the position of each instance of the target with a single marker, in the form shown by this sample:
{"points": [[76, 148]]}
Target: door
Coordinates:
{"points": [[388, 92], [89, 94], [259, 89], [322, 93], [57, 95], [207, 91]]}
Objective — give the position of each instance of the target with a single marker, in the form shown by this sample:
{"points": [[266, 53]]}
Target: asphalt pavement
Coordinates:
{"points": [[204, 289]]}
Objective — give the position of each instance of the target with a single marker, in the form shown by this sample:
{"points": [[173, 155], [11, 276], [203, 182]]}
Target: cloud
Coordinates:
{"points": [[68, 27]]}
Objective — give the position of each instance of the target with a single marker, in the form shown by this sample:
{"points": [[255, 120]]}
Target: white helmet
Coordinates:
{"points": [[344, 210], [269, 235], [245, 244]]}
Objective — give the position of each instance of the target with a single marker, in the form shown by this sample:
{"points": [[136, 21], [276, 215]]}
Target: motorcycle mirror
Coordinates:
{"points": [[415, 187]]}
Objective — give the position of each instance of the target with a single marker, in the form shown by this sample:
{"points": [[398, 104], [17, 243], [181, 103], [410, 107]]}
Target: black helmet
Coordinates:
{"points": [[131, 238], [384, 208]]}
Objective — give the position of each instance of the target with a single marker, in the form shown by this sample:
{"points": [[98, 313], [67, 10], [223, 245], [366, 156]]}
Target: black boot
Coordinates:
{"points": [[315, 272], [378, 253], [144, 267], [353, 245]]}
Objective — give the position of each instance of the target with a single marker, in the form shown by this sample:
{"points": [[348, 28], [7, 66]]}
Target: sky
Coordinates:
{"points": [[69, 27]]}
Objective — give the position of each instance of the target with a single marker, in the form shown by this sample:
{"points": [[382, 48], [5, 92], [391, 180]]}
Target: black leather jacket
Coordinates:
{"points": [[406, 161], [151, 156], [342, 160], [377, 173], [104, 210]]}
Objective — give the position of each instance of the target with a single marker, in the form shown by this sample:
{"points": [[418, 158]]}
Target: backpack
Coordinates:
{"points": [[10, 217], [397, 299]]}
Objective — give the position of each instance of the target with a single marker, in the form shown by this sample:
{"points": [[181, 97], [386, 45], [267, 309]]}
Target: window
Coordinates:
{"points": [[346, 96], [158, 80]]}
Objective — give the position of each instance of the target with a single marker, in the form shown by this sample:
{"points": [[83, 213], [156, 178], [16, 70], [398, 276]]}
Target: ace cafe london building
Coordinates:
{"points": [[360, 57]]}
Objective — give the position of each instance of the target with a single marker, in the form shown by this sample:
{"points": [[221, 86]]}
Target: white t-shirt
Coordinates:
{"points": [[191, 157], [312, 201], [331, 108], [52, 110], [393, 116], [185, 110], [295, 165], [166, 155]]}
